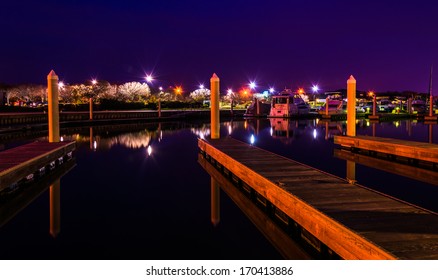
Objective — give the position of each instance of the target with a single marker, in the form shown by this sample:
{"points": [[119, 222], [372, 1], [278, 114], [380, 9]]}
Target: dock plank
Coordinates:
{"points": [[355, 222], [410, 149], [16, 163]]}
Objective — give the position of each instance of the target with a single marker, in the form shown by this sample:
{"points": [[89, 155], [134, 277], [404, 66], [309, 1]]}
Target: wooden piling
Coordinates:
{"points": [[214, 88], [53, 95], [351, 106]]}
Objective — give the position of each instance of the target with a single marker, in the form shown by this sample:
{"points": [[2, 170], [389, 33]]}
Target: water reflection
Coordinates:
{"points": [[403, 168], [215, 202], [285, 245], [106, 185], [14, 202], [55, 207]]}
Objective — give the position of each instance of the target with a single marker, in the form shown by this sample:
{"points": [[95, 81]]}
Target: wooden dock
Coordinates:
{"points": [[16, 202], [352, 221], [278, 238], [394, 147], [398, 168], [31, 159]]}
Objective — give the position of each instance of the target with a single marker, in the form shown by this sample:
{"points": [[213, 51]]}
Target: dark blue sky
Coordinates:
{"points": [[386, 45]]}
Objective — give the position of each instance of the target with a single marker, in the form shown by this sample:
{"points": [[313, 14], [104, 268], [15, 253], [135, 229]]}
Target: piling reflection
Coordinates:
{"points": [[14, 202], [351, 171], [331, 128], [215, 202], [287, 247], [55, 207]]}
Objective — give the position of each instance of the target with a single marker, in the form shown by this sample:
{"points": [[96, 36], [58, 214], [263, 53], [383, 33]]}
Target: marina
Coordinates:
{"points": [[136, 153]]}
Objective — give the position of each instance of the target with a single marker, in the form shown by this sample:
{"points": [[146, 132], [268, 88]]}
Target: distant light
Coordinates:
{"points": [[271, 131], [371, 93], [149, 150], [300, 90], [160, 88], [94, 81], [62, 139], [95, 144], [315, 88], [149, 78], [271, 90], [230, 129], [178, 90], [230, 91], [201, 135], [61, 84], [252, 139], [201, 86], [252, 85], [314, 133]]}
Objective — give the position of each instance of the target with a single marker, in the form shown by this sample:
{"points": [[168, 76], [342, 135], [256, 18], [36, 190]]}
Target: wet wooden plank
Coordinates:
{"points": [[410, 149], [343, 216], [21, 161]]}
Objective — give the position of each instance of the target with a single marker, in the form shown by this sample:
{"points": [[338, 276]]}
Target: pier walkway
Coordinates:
{"points": [[395, 147], [33, 158], [351, 220]]}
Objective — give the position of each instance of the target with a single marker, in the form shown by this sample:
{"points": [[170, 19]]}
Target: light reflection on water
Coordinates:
{"points": [[141, 187]]}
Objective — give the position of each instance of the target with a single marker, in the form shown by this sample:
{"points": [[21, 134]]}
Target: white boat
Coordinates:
{"points": [[288, 104]]}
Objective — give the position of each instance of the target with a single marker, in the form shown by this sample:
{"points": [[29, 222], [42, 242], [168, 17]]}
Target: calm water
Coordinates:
{"points": [[125, 201]]}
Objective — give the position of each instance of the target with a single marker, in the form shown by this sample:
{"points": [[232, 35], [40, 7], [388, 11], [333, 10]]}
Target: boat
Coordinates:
{"points": [[251, 110], [335, 106], [288, 104], [419, 106]]}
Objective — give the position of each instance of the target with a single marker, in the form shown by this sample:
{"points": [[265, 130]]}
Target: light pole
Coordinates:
{"points": [[315, 90]]}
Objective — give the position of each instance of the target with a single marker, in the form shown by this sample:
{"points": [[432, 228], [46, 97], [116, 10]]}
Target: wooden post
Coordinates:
{"points": [[159, 108], [258, 106], [430, 95], [55, 208], [409, 109], [231, 108], [287, 107], [430, 133], [215, 202], [214, 107], [326, 106], [351, 106], [53, 94], [91, 108], [374, 104]]}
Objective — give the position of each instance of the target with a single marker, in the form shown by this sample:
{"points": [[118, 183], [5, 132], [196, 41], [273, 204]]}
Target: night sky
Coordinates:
{"points": [[386, 45]]}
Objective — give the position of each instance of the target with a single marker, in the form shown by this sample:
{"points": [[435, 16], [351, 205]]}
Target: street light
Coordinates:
{"points": [[201, 86], [149, 78], [315, 88], [94, 81], [252, 85], [271, 90]]}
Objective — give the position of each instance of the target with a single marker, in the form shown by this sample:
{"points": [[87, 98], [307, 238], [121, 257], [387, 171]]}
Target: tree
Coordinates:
{"points": [[200, 94], [133, 92], [12, 94]]}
